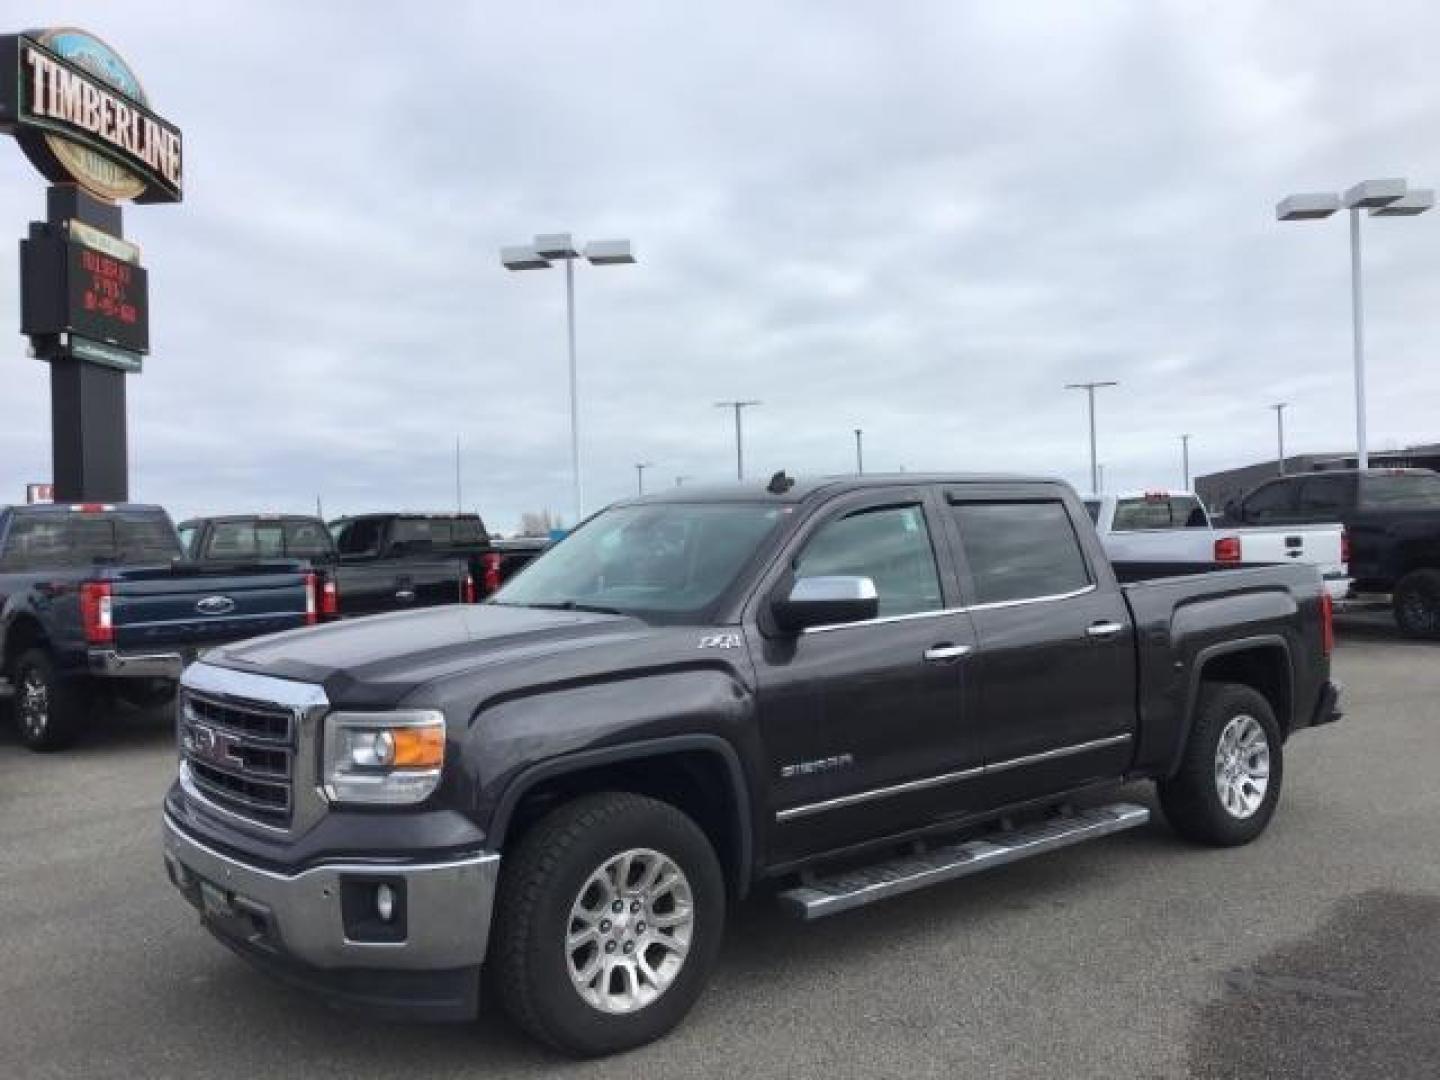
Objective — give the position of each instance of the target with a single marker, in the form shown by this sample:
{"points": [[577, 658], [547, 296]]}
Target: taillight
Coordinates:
{"points": [[1227, 549], [467, 588], [1345, 549], [329, 597], [312, 611], [491, 562], [95, 612], [1327, 624]]}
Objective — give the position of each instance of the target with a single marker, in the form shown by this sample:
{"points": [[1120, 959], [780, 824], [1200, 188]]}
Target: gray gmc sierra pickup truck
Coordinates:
{"points": [[847, 689]]}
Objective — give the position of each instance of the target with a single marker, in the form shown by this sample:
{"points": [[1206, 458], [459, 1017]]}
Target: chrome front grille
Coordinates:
{"points": [[241, 754]]}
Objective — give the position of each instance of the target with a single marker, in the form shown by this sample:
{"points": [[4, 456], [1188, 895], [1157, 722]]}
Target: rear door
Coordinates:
{"points": [[1056, 653], [865, 724]]}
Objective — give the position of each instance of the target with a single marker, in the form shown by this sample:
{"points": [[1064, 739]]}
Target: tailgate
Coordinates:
{"points": [[173, 609], [1315, 545]]}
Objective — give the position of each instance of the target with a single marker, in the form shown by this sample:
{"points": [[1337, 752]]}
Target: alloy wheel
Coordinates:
{"points": [[629, 931], [33, 703], [1242, 766]]}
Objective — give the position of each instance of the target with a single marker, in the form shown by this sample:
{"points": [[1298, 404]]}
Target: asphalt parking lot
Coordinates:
{"points": [[1314, 952]]}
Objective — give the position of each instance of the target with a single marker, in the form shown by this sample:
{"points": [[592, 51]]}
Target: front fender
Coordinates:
{"points": [[515, 742]]}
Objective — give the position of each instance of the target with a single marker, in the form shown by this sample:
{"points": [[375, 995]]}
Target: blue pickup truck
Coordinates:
{"points": [[97, 601]]}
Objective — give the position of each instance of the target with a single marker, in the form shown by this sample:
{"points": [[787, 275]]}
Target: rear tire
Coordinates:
{"points": [[556, 921], [1228, 784], [1417, 604], [49, 710]]}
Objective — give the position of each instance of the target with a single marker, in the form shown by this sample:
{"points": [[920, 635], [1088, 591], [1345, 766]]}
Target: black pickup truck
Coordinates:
{"points": [[849, 689], [391, 561], [97, 598], [374, 563], [1392, 524]]}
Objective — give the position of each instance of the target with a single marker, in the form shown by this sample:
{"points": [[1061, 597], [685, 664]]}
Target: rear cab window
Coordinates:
{"points": [[1020, 550], [59, 540], [1159, 511]]}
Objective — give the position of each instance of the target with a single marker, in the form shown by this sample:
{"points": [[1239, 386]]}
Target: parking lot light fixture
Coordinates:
{"points": [[739, 407], [640, 467], [544, 252], [1387, 197], [1280, 407], [1090, 388]]}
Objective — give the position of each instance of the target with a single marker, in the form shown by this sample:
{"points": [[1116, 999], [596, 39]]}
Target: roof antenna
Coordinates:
{"points": [[780, 483]]}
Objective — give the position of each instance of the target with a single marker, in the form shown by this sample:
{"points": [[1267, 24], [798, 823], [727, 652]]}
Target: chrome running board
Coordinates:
{"points": [[821, 896]]}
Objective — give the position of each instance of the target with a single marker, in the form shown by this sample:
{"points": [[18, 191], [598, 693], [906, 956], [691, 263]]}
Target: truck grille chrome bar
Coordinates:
{"points": [[240, 754]]}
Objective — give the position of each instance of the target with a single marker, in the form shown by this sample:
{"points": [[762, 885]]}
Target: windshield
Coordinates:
{"points": [[667, 562], [1402, 491]]}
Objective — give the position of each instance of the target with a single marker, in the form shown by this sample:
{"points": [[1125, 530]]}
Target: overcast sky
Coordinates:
{"points": [[918, 219]]}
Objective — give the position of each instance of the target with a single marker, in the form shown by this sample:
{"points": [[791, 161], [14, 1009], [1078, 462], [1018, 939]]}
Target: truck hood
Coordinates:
{"points": [[377, 660]]}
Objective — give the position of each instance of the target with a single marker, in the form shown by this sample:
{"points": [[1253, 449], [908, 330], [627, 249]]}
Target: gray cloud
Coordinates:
{"points": [[920, 219]]}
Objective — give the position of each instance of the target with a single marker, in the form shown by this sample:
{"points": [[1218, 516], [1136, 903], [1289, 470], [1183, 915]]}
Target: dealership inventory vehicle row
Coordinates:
{"points": [[96, 601], [1158, 528], [850, 688], [105, 601]]}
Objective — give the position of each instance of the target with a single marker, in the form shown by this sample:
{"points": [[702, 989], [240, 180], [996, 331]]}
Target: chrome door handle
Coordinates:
{"points": [[942, 654], [1104, 630], [405, 594]]}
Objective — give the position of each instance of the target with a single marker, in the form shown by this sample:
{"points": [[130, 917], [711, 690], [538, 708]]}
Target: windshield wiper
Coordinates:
{"points": [[572, 605]]}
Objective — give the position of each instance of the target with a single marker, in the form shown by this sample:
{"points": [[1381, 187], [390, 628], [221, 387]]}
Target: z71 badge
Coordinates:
{"points": [[721, 641]]}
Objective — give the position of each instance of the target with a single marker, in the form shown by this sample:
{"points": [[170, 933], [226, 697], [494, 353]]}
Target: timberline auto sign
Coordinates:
{"points": [[81, 115]]}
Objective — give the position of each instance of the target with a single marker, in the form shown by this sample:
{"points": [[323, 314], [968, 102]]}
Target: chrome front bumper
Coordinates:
{"points": [[298, 918]]}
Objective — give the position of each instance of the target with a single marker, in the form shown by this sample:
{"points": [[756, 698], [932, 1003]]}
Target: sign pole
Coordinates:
{"points": [[80, 115], [89, 441]]}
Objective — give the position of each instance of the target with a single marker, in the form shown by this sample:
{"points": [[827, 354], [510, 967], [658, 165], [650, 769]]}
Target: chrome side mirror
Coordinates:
{"points": [[824, 601]]}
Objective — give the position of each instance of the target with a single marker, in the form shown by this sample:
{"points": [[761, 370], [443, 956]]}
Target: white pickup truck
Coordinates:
{"points": [[1174, 527]]}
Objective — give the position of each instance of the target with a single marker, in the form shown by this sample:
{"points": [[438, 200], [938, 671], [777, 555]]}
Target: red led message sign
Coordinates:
{"points": [[108, 299]]}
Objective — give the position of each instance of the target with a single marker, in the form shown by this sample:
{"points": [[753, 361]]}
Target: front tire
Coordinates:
{"points": [[49, 710], [1417, 604], [609, 919], [1228, 784]]}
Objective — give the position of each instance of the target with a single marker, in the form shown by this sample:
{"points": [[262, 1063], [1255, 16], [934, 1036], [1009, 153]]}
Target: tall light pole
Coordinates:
{"points": [[640, 467], [1279, 408], [859, 451], [739, 407], [1185, 462], [548, 249], [1383, 198], [1090, 388]]}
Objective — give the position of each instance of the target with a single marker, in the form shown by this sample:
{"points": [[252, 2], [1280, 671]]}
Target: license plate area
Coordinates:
{"points": [[215, 901]]}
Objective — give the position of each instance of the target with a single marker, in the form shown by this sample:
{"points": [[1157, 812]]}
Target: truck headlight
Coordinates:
{"points": [[389, 758]]}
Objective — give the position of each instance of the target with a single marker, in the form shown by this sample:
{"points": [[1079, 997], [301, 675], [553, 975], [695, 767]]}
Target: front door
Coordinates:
{"points": [[864, 722]]}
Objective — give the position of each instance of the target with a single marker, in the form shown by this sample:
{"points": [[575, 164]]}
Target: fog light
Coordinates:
{"points": [[385, 902]]}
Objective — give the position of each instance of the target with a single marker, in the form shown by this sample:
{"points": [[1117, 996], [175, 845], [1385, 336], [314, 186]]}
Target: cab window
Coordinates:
{"points": [[890, 546], [1273, 502], [1020, 550]]}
